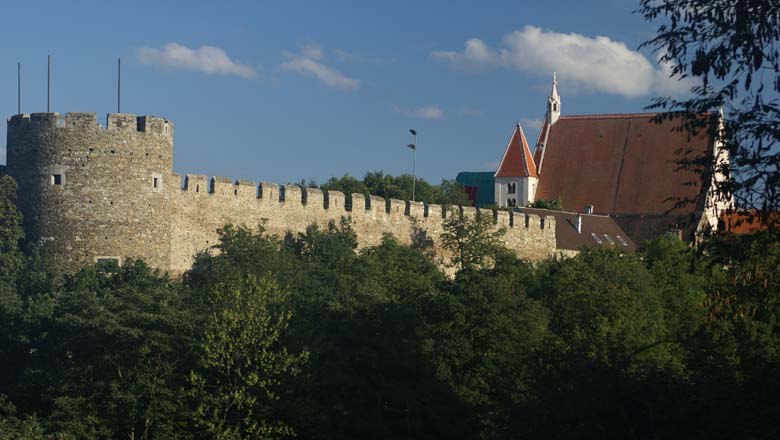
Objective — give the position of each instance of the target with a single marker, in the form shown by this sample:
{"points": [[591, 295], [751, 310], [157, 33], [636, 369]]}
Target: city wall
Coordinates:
{"points": [[205, 205], [90, 193]]}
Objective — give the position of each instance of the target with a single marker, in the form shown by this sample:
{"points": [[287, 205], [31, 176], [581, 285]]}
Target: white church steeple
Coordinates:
{"points": [[553, 103]]}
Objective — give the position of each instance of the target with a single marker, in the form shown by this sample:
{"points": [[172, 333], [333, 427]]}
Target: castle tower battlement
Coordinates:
{"points": [[90, 192]]}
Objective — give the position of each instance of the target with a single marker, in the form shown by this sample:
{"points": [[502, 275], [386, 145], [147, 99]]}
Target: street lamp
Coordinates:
{"points": [[413, 147]]}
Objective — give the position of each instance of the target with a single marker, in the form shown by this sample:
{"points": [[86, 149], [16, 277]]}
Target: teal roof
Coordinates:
{"points": [[484, 183]]}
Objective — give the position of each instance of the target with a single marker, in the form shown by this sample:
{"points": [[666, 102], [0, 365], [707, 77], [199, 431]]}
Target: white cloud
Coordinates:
{"points": [[595, 64], [475, 56], [207, 59], [313, 51], [343, 55], [307, 64], [349, 57], [471, 112], [424, 112]]}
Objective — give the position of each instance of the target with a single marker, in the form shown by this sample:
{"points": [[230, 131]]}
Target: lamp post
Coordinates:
{"points": [[413, 147]]}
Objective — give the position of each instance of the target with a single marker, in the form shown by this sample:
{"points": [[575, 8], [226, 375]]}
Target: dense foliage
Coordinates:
{"points": [[448, 192], [308, 336], [730, 52], [553, 205]]}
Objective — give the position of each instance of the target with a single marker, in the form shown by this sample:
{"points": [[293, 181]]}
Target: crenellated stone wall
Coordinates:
{"points": [[203, 206], [90, 192]]}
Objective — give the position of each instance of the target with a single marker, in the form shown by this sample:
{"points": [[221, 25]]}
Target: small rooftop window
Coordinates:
{"points": [[609, 239], [596, 237], [622, 241]]}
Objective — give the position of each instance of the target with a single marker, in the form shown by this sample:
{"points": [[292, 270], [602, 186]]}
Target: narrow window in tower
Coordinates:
{"points": [[56, 179], [510, 188], [156, 182]]}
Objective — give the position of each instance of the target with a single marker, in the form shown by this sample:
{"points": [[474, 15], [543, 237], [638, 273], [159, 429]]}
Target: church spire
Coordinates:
{"points": [[553, 102]]}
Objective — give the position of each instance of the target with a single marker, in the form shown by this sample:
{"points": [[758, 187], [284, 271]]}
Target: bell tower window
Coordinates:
{"points": [[56, 179]]}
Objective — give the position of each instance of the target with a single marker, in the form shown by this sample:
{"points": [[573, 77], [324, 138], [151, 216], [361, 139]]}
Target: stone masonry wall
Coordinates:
{"points": [[89, 192], [204, 205], [104, 203]]}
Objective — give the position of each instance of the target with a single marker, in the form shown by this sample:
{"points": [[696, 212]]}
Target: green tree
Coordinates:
{"points": [[13, 428], [346, 184], [241, 367], [731, 51], [553, 205], [11, 258], [473, 241], [118, 352], [611, 361], [486, 347], [377, 183]]}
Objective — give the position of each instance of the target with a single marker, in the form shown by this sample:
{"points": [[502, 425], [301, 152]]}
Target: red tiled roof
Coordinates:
{"points": [[538, 146], [517, 160], [745, 222], [606, 231], [621, 164]]}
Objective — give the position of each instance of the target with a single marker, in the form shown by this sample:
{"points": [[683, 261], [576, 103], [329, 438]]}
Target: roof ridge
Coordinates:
{"points": [[608, 115], [568, 212]]}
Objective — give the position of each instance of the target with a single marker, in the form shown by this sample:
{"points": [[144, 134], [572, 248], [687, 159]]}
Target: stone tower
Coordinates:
{"points": [[90, 193]]}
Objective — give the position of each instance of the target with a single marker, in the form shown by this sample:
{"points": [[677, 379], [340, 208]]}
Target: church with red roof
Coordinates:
{"points": [[626, 166]]}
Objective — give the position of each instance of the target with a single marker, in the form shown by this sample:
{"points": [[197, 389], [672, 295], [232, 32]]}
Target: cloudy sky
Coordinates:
{"points": [[286, 90]]}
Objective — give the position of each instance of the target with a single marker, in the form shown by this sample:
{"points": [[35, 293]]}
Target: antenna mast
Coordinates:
{"points": [[48, 86], [19, 88], [119, 85]]}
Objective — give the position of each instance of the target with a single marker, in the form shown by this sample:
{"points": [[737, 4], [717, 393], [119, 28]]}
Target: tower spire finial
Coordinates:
{"points": [[553, 102]]}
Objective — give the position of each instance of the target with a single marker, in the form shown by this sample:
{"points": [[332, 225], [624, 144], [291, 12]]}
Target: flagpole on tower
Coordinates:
{"points": [[119, 85], [19, 88], [413, 147], [48, 85]]}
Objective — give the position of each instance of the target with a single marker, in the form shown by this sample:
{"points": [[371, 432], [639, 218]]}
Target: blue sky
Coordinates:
{"points": [[281, 91]]}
